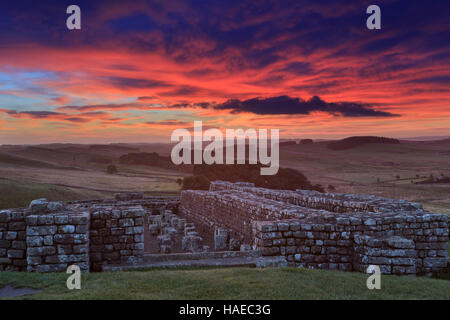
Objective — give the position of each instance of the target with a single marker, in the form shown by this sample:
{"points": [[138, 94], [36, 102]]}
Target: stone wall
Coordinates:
{"points": [[232, 210], [393, 255], [333, 202], [12, 240], [49, 236], [116, 234], [295, 224], [56, 241]]}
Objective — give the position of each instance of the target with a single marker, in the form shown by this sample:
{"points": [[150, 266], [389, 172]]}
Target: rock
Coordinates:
{"points": [[400, 243], [234, 244], [129, 196], [220, 239], [154, 229], [165, 249], [54, 206], [191, 243], [38, 206]]}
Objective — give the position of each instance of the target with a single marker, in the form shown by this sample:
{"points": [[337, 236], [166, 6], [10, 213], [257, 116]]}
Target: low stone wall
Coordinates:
{"points": [[393, 255], [50, 236], [116, 234], [12, 240], [317, 238], [333, 202], [234, 211], [328, 243], [56, 241]]}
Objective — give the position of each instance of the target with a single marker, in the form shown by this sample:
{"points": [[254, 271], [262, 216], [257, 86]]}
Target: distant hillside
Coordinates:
{"points": [[145, 158], [152, 159], [112, 147], [285, 179], [287, 143], [352, 142], [19, 161]]}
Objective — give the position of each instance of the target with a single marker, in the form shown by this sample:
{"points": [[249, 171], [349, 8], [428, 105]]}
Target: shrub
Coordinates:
{"points": [[199, 182], [111, 169], [306, 141]]}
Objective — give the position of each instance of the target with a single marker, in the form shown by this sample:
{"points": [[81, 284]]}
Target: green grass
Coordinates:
{"points": [[16, 194], [229, 283]]}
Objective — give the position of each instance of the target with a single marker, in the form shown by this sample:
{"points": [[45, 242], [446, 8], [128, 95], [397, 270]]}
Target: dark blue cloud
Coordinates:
{"points": [[435, 79], [259, 33], [288, 105], [122, 82], [136, 22]]}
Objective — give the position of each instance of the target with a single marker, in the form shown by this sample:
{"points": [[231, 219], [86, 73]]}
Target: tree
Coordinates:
{"points": [[111, 169], [199, 182]]}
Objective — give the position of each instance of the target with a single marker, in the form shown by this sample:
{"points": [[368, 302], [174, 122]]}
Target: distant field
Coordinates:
{"points": [[230, 283], [358, 170], [19, 194], [378, 169]]}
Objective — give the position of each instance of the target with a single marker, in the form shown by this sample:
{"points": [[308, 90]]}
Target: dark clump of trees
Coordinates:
{"points": [[152, 159], [306, 141], [285, 179], [111, 169], [353, 142], [288, 143], [144, 158], [199, 182]]}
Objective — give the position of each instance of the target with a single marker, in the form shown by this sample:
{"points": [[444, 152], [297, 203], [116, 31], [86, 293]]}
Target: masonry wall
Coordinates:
{"points": [[56, 241], [232, 210], [116, 234], [330, 243], [333, 202], [319, 238], [12, 240]]}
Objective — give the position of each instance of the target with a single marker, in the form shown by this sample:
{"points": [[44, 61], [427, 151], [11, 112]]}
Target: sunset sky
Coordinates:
{"points": [[138, 70]]}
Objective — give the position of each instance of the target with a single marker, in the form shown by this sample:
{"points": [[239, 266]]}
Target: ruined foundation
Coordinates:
{"points": [[324, 230], [232, 224]]}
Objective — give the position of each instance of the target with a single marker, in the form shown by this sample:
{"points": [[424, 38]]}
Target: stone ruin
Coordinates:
{"points": [[325, 230], [50, 236], [262, 227]]}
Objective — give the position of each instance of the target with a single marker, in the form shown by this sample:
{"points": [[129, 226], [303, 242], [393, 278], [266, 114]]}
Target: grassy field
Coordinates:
{"points": [[61, 173], [368, 169], [20, 194], [358, 170], [230, 283], [67, 174]]}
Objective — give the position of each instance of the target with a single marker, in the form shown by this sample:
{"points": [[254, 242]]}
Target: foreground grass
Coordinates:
{"points": [[229, 283]]}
